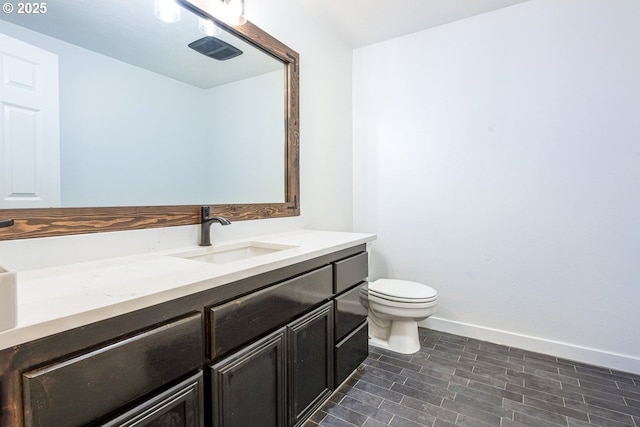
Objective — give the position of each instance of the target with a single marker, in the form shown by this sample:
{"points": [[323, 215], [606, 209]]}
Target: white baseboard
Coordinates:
{"points": [[619, 362]]}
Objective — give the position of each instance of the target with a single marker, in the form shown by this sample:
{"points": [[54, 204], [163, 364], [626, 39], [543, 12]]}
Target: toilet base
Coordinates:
{"points": [[402, 337]]}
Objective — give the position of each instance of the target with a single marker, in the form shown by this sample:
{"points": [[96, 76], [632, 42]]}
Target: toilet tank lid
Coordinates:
{"points": [[402, 289]]}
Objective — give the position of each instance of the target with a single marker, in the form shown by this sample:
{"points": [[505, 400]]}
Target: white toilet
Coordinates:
{"points": [[395, 307]]}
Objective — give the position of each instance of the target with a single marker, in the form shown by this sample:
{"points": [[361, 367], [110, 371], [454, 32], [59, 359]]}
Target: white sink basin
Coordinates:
{"points": [[233, 252], [8, 299]]}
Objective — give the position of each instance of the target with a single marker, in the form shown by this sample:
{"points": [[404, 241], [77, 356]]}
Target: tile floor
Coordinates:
{"points": [[459, 381]]}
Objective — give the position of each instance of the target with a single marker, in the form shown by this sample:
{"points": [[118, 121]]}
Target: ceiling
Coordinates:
{"points": [[128, 30], [364, 22]]}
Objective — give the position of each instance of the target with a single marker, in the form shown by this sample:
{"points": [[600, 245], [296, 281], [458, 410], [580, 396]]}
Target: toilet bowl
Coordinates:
{"points": [[394, 309]]}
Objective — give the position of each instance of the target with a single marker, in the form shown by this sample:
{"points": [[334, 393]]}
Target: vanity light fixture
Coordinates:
{"points": [[230, 11], [167, 10]]}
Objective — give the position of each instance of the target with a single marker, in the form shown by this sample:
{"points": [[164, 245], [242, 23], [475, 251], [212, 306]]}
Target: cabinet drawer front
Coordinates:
{"points": [[240, 321], [77, 391], [351, 352], [350, 313], [181, 405], [350, 271]]}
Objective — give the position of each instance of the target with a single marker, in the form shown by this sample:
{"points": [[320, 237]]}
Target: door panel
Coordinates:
{"points": [[30, 136], [248, 387], [310, 361]]}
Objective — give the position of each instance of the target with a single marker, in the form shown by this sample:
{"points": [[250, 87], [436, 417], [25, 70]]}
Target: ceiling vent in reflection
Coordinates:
{"points": [[215, 48]]}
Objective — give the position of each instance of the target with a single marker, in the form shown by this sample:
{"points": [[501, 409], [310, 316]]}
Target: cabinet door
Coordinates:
{"points": [[310, 341], [180, 406], [248, 387]]}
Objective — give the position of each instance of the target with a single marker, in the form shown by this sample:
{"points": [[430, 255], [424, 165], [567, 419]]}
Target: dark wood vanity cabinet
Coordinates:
{"points": [[319, 349], [278, 380], [262, 351], [284, 376]]}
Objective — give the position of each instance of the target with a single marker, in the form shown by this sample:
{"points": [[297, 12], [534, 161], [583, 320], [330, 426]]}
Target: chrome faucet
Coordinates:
{"points": [[205, 225]]}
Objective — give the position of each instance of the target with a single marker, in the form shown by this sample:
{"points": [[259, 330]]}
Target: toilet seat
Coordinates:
{"points": [[403, 291]]}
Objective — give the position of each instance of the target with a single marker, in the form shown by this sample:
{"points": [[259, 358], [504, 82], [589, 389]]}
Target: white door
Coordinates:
{"points": [[29, 126]]}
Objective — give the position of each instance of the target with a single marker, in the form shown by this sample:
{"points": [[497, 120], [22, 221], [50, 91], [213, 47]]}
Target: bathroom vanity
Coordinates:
{"points": [[259, 338]]}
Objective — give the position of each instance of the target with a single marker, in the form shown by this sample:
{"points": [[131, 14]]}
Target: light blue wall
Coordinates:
{"points": [[119, 121], [250, 114]]}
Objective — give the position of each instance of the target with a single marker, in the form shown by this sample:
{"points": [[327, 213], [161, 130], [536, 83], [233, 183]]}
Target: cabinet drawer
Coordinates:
{"points": [[240, 321], [350, 271], [351, 352], [349, 312], [181, 405], [84, 388]]}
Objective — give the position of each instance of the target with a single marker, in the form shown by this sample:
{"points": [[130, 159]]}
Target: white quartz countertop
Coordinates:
{"points": [[52, 300]]}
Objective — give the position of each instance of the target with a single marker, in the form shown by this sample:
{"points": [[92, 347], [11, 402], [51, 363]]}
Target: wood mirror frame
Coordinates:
{"points": [[48, 222]]}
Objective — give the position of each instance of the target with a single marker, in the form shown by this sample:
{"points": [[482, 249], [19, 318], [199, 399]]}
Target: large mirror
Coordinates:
{"points": [[114, 119]]}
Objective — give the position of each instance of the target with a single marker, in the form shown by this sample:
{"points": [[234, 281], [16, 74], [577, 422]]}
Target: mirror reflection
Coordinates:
{"points": [[107, 105]]}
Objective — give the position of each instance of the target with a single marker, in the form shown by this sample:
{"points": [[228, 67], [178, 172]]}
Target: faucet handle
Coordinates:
{"points": [[6, 223], [204, 212]]}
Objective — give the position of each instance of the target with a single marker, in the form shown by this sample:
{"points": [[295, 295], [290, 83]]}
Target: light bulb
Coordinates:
{"points": [[208, 28], [167, 10], [230, 11], [235, 10]]}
